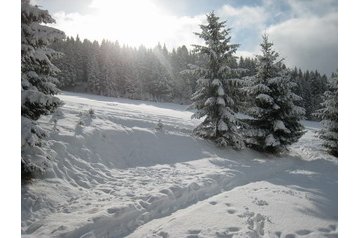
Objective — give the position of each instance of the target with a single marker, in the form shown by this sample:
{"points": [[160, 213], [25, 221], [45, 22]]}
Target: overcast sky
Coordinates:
{"points": [[304, 32]]}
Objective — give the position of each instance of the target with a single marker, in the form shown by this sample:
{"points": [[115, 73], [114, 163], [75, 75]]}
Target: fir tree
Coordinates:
{"points": [[37, 84], [275, 116], [94, 81], [211, 100], [329, 117]]}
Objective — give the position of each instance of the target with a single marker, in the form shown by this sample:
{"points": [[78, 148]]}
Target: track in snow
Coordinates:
{"points": [[115, 172]]}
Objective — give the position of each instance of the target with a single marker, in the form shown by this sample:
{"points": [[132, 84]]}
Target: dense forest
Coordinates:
{"points": [[110, 69]]}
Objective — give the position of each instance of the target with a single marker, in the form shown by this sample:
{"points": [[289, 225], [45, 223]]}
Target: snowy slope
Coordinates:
{"points": [[114, 174]]}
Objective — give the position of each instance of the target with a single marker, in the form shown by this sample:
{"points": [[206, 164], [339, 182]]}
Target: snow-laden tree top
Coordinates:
{"points": [[213, 99], [274, 111]]}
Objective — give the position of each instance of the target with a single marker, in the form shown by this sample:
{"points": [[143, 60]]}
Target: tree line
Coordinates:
{"points": [[110, 69]]}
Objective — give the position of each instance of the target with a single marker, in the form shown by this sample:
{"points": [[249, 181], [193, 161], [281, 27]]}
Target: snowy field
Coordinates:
{"points": [[115, 175]]}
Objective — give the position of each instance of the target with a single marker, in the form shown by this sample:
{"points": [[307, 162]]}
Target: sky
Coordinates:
{"points": [[304, 32]]}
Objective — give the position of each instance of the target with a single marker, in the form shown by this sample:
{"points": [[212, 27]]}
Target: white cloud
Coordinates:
{"points": [[305, 35], [308, 8], [132, 22], [245, 17], [310, 43]]}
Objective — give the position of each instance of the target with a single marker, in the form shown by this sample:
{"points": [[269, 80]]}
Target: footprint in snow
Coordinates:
{"points": [[260, 202], [290, 236], [193, 233], [233, 229], [323, 230], [278, 234], [192, 236], [223, 234], [256, 224], [163, 234], [303, 232], [213, 203], [228, 204], [113, 210], [231, 211], [246, 214]]}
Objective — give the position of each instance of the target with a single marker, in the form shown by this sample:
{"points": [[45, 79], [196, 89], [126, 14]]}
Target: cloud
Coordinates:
{"points": [[132, 22], [244, 17], [307, 8], [304, 32], [310, 43]]}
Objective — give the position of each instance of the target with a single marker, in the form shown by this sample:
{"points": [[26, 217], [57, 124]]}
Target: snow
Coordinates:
{"points": [[115, 175], [271, 141], [216, 82], [220, 91], [280, 126], [265, 98], [220, 101], [222, 126]]}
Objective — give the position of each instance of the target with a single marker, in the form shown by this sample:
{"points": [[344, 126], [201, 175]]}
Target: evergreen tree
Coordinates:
{"points": [[94, 80], [37, 84], [66, 63], [184, 84], [133, 85], [211, 100], [275, 118], [329, 117]]}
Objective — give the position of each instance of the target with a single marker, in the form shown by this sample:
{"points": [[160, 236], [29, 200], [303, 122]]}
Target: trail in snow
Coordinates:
{"points": [[114, 172], [258, 209]]}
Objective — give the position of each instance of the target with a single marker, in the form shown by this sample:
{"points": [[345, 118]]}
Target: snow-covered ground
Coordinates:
{"points": [[115, 175]]}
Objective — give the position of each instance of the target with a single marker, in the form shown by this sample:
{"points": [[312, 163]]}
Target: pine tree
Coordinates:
{"points": [[329, 117], [37, 84], [275, 116], [67, 76], [183, 83], [94, 81], [211, 100]]}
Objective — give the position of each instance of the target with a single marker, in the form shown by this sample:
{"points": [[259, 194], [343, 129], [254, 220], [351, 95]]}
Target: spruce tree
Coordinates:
{"points": [[329, 117], [66, 63], [94, 81], [211, 99], [275, 116], [38, 84]]}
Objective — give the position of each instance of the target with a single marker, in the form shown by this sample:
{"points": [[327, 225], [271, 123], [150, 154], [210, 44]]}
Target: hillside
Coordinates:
{"points": [[114, 174]]}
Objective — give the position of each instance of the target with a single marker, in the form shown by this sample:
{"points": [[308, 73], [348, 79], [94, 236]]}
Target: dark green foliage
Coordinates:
{"points": [[212, 99], [329, 117], [38, 85], [275, 116], [311, 87]]}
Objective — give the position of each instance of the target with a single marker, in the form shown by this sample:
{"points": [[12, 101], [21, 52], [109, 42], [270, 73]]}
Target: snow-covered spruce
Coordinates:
{"points": [[275, 121], [212, 99], [329, 117], [37, 84]]}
